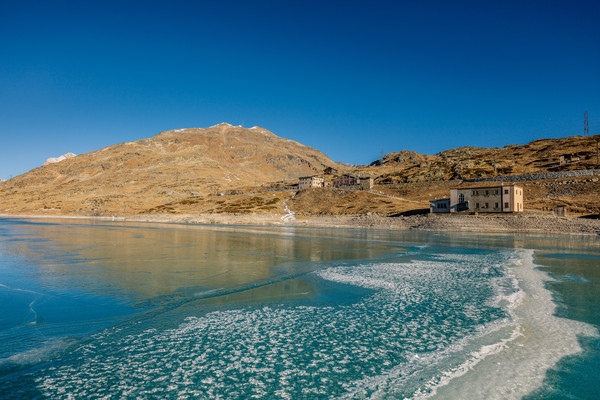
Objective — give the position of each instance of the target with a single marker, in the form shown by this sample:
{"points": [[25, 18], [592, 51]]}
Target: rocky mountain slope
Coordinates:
{"points": [[173, 165], [475, 162], [422, 178], [186, 171]]}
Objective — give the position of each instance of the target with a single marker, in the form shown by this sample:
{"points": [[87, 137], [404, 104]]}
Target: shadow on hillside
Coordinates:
{"points": [[420, 211]]}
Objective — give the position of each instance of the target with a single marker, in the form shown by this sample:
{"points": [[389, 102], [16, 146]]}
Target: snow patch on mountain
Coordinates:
{"points": [[53, 160]]}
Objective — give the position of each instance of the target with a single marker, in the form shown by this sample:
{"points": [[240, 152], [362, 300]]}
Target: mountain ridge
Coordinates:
{"points": [[468, 162], [134, 176], [186, 170]]}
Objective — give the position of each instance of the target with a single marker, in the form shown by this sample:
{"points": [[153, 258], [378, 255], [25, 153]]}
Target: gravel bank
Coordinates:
{"points": [[533, 223], [448, 222]]}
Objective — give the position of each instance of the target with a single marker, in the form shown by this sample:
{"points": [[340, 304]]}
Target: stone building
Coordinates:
{"points": [[439, 206], [307, 182], [488, 199], [363, 183]]}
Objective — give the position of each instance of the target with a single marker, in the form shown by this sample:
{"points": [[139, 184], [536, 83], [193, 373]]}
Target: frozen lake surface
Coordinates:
{"points": [[108, 309]]}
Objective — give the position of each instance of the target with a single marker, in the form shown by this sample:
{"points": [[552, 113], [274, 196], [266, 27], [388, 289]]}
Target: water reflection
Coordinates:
{"points": [[143, 261]]}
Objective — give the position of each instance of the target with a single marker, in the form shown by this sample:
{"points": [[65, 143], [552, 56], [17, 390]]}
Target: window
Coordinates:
{"points": [[461, 198], [506, 206], [505, 191], [476, 205], [487, 205], [487, 192], [496, 191], [496, 205]]}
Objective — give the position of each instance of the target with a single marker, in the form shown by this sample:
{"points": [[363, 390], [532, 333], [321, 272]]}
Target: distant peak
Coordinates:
{"points": [[226, 124]]}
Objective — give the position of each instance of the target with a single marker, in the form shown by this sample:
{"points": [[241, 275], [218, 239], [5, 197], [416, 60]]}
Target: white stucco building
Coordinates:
{"points": [[502, 198]]}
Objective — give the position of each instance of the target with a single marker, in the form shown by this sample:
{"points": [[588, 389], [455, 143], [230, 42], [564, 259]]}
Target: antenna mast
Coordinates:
{"points": [[586, 127]]}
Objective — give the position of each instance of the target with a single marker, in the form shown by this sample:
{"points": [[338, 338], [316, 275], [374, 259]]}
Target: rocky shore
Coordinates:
{"points": [[506, 223], [524, 223], [449, 222]]}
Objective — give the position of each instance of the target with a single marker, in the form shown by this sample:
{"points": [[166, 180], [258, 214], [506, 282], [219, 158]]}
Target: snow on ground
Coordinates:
{"points": [[290, 216]]}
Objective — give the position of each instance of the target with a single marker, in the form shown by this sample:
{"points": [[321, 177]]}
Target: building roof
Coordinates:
{"points": [[485, 187], [355, 176]]}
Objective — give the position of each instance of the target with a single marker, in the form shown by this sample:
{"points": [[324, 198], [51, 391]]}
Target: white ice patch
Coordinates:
{"points": [[418, 315], [37, 355], [2, 286], [519, 365], [405, 282]]}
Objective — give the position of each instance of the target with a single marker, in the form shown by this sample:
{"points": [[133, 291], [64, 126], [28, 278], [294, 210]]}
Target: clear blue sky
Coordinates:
{"points": [[348, 78]]}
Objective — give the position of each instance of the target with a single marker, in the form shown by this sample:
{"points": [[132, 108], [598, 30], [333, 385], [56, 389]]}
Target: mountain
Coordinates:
{"points": [[59, 159], [421, 178], [580, 152], [173, 165], [404, 156], [184, 171]]}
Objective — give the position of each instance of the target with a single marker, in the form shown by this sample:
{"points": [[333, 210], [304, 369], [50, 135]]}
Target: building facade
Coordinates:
{"points": [[307, 182], [363, 183], [489, 199], [439, 206], [345, 180]]}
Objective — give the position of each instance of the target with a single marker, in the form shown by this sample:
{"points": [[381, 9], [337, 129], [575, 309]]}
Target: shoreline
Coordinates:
{"points": [[512, 223]]}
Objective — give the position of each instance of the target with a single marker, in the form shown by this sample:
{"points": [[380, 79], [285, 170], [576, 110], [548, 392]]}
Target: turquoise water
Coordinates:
{"points": [[114, 310]]}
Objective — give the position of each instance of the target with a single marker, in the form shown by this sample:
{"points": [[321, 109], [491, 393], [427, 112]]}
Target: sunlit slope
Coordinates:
{"points": [[173, 165], [475, 162]]}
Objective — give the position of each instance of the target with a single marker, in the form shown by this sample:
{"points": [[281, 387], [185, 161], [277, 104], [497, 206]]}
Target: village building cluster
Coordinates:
{"points": [[342, 181], [501, 198]]}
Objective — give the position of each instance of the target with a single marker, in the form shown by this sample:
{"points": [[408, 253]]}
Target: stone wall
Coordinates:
{"points": [[538, 176]]}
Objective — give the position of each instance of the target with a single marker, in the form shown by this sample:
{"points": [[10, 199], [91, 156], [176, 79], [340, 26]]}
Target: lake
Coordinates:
{"points": [[98, 309]]}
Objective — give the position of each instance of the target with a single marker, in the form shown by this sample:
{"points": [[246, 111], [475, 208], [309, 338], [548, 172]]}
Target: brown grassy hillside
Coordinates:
{"points": [[339, 202], [476, 162], [579, 195], [255, 203], [169, 167], [186, 171]]}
